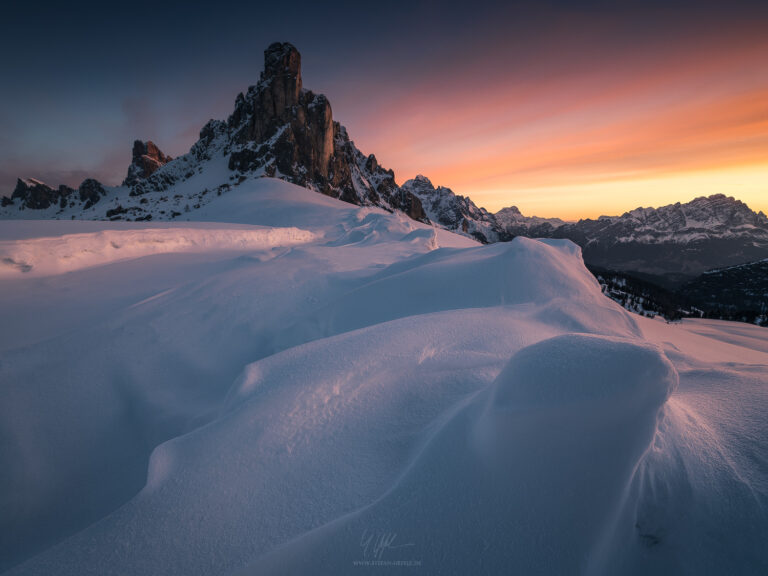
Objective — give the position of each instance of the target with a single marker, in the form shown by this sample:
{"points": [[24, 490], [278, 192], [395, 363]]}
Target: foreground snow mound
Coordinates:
{"points": [[56, 255], [548, 275], [382, 392], [531, 473], [584, 369]]}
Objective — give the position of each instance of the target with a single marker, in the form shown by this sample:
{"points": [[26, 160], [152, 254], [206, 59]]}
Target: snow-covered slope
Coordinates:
{"points": [[371, 391], [55, 255]]}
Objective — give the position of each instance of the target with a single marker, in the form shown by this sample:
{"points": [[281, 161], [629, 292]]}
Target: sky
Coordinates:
{"points": [[562, 108]]}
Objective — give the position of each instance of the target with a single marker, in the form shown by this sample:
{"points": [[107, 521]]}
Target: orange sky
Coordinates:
{"points": [[599, 134], [563, 108]]}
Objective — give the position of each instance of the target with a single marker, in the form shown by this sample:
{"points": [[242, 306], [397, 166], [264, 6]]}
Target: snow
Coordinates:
{"points": [[291, 384], [58, 254], [33, 182]]}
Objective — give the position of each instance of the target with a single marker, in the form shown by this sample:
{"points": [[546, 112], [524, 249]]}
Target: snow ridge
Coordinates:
{"points": [[56, 255], [236, 407]]}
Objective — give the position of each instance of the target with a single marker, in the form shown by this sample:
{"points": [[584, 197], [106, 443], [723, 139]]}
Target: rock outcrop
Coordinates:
{"points": [[36, 195], [283, 130], [91, 191], [277, 129], [146, 159]]}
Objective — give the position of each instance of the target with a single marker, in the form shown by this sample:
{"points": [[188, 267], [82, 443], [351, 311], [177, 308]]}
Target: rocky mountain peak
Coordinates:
{"points": [[280, 129], [704, 212], [33, 194], [510, 210], [146, 159], [277, 129], [454, 212], [281, 78], [282, 60], [420, 185], [723, 209]]}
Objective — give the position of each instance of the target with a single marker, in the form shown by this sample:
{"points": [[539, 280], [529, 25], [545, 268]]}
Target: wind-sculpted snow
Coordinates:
{"points": [[530, 472], [369, 394], [519, 272], [563, 371], [56, 255]]}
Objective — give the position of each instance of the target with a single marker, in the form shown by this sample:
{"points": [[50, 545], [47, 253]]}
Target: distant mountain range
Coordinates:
{"points": [[668, 245], [279, 129]]}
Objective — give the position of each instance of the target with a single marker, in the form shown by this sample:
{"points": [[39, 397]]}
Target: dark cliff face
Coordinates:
{"points": [[282, 129], [35, 195], [146, 159], [91, 191], [277, 129]]}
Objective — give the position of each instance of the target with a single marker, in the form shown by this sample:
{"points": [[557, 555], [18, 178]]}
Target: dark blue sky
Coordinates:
{"points": [[82, 80]]}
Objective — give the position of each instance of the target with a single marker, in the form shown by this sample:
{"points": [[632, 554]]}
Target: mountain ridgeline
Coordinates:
{"points": [[277, 129], [280, 129]]}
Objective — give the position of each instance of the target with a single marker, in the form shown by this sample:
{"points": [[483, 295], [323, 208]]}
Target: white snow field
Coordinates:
{"points": [[294, 385]]}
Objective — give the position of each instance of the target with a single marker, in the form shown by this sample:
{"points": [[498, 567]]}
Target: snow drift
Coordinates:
{"points": [[48, 256], [380, 394]]}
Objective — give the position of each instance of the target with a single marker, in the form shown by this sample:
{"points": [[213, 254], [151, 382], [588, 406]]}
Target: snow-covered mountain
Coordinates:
{"points": [[705, 218], [284, 363], [675, 241], [277, 129], [512, 221], [456, 213], [668, 244]]}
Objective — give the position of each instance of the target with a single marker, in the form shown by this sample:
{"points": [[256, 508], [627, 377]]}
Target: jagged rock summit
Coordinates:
{"points": [[277, 129], [37, 195], [146, 159], [283, 130], [455, 212]]}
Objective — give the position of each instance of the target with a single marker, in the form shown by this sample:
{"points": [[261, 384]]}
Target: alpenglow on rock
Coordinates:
{"points": [[277, 129], [146, 159], [283, 130]]}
